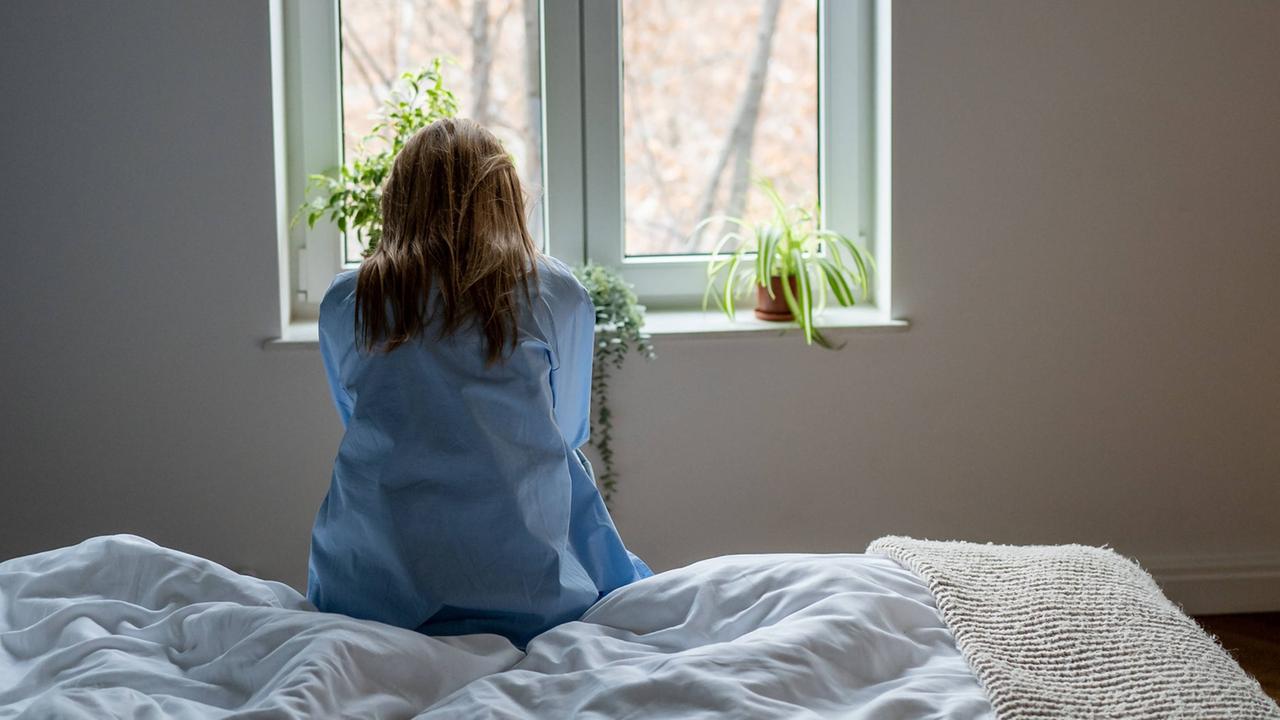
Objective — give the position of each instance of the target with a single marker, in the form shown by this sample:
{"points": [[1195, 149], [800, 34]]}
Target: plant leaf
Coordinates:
{"points": [[839, 285], [728, 285], [805, 292], [767, 257], [859, 257], [822, 285]]}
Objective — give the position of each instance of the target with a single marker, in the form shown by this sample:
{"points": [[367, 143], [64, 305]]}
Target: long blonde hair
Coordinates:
{"points": [[453, 219]]}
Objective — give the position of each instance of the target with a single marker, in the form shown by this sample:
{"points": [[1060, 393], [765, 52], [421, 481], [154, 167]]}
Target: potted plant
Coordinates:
{"points": [[791, 261], [351, 195]]}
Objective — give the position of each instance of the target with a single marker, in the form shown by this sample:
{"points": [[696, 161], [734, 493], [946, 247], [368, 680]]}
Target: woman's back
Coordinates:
{"points": [[460, 502]]}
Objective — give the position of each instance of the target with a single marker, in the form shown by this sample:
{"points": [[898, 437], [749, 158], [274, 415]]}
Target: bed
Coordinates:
{"points": [[120, 627]]}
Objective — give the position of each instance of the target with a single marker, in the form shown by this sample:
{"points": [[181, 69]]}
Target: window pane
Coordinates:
{"points": [[715, 92], [495, 74]]}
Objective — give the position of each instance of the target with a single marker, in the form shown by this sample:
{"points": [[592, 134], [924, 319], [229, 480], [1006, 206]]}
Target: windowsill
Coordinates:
{"points": [[714, 323], [677, 324], [299, 335]]}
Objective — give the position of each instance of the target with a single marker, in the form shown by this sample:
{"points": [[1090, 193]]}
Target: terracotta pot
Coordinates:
{"points": [[774, 309]]}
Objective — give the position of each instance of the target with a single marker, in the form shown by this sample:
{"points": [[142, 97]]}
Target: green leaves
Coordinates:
{"points": [[350, 196], [618, 333], [791, 244], [767, 256], [838, 283]]}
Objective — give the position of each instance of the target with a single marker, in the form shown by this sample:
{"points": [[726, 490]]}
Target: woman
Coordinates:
{"points": [[459, 358]]}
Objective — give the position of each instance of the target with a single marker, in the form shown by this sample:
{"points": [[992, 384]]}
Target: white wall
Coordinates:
{"points": [[1087, 219]]}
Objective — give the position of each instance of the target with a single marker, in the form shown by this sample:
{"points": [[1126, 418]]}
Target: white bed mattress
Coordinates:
{"points": [[120, 627]]}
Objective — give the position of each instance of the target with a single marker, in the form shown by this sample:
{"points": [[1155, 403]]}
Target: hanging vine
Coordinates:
{"points": [[619, 332]]}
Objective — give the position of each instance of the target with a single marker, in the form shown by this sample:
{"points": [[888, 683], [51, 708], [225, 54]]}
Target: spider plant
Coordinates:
{"points": [[790, 255]]}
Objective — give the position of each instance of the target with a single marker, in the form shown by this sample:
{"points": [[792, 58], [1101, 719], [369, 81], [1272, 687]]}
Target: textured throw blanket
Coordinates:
{"points": [[1076, 632]]}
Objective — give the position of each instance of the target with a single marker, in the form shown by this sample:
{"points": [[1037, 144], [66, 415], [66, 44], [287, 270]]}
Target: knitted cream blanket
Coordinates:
{"points": [[1076, 632]]}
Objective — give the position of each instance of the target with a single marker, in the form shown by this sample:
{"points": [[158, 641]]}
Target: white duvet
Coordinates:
{"points": [[120, 627]]}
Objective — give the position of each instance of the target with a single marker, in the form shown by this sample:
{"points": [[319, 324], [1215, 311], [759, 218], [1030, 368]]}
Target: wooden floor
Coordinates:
{"points": [[1254, 641]]}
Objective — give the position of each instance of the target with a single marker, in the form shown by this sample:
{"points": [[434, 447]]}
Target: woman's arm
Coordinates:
{"points": [[337, 340], [341, 399], [571, 381]]}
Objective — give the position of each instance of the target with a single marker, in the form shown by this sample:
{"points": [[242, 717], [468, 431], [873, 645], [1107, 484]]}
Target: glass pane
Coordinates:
{"points": [[715, 92], [495, 71]]}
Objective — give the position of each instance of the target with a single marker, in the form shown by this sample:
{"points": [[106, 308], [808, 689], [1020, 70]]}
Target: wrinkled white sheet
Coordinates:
{"points": [[120, 627]]}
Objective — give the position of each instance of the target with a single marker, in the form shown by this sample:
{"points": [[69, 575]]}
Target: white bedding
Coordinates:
{"points": [[120, 627]]}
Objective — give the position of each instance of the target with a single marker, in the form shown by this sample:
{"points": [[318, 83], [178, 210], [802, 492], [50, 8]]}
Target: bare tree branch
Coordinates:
{"points": [[372, 84], [672, 236], [652, 165], [404, 36], [533, 109], [742, 133], [361, 51], [481, 61]]}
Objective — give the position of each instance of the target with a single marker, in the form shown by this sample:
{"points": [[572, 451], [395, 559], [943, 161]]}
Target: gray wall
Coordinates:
{"points": [[1087, 243]]}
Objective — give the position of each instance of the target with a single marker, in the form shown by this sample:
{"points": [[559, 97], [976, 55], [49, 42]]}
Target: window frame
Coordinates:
{"points": [[307, 49], [582, 142]]}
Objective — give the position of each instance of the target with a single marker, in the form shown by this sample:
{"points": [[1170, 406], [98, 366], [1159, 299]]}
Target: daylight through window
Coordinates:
{"points": [[715, 92], [630, 121], [494, 69]]}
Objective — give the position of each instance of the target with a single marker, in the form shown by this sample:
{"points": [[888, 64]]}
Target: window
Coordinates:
{"points": [[496, 71], [630, 120], [712, 94]]}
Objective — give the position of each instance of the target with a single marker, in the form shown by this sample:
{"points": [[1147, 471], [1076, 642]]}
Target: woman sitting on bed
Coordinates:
{"points": [[459, 358]]}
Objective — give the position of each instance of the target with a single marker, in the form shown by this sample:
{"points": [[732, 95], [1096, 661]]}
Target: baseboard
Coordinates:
{"points": [[1215, 584]]}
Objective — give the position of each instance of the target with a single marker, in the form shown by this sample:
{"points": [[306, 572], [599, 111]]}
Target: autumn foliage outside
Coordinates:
{"points": [[714, 92]]}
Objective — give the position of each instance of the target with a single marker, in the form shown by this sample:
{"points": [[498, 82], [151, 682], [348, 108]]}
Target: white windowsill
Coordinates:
{"points": [[299, 335], [677, 324], [714, 323]]}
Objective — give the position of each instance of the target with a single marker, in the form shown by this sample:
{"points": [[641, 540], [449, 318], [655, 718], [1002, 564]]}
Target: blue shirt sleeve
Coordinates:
{"points": [[336, 340], [575, 326]]}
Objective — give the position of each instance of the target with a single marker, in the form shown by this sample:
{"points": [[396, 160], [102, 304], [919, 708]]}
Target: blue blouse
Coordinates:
{"points": [[460, 501]]}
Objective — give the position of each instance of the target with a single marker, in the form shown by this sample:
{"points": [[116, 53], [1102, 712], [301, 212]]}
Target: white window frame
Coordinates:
{"points": [[582, 142], [308, 94]]}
